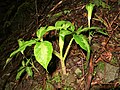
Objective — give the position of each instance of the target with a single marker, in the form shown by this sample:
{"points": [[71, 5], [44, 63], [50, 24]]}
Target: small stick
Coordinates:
{"points": [[36, 10], [56, 5], [110, 36], [90, 74], [114, 19]]}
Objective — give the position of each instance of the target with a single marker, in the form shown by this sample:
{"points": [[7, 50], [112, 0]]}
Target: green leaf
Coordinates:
{"points": [[41, 32], [102, 31], [71, 28], [83, 43], [23, 46], [59, 24], [23, 63], [64, 25], [29, 71], [68, 26], [80, 30], [63, 33], [65, 28], [7, 61], [20, 42], [49, 28], [20, 72], [43, 53]]}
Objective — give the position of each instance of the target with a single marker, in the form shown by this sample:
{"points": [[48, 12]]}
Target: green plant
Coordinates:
{"points": [[24, 68], [27, 65], [43, 49], [89, 8]]}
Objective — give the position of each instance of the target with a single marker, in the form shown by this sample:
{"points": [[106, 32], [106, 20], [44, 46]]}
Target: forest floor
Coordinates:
{"points": [[21, 20]]}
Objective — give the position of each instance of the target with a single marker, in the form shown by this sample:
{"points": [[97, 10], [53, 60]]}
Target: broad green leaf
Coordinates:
{"points": [[41, 32], [67, 25], [63, 33], [59, 24], [64, 25], [23, 47], [43, 53], [83, 43], [80, 39], [71, 27], [29, 71], [20, 72]]}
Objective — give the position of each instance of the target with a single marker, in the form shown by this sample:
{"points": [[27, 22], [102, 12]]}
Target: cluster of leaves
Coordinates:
{"points": [[24, 68], [43, 49]]}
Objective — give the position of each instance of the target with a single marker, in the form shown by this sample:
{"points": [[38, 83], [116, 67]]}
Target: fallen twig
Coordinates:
{"points": [[90, 74], [56, 5]]}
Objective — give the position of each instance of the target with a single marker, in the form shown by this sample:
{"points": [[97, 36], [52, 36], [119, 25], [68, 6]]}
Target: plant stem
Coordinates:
{"points": [[63, 67], [63, 59], [67, 50], [57, 54], [61, 62], [35, 67], [89, 23]]}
